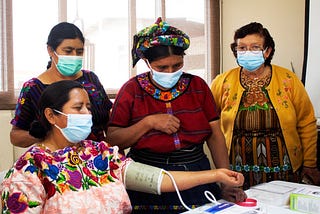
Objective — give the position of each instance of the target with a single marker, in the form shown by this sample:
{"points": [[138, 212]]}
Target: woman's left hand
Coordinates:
{"points": [[310, 175], [233, 194]]}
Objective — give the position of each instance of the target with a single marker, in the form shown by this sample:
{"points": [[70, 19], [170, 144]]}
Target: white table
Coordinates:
{"points": [[272, 198]]}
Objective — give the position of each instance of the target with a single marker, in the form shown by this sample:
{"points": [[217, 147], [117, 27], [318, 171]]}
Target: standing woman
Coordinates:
{"points": [[65, 47], [266, 114], [165, 116]]}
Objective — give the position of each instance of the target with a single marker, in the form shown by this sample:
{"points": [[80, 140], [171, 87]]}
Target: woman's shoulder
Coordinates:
{"points": [[33, 82], [192, 76], [31, 159], [194, 80], [88, 72], [103, 149], [88, 75], [31, 90], [92, 84], [99, 145], [230, 75], [144, 75], [31, 86], [137, 80], [279, 68], [282, 72], [232, 72]]}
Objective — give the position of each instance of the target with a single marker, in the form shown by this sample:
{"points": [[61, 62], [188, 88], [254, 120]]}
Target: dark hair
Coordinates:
{"points": [[254, 28], [162, 51], [55, 96], [62, 31]]}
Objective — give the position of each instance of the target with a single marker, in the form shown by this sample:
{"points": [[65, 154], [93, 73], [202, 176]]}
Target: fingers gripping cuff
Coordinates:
{"points": [[143, 178]]}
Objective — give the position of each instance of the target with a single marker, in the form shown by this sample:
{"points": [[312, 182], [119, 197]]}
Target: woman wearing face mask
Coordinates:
{"points": [[64, 173], [65, 47], [165, 116], [266, 114]]}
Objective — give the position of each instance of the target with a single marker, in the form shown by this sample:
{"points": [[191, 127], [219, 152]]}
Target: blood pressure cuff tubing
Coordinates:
{"points": [[143, 178]]}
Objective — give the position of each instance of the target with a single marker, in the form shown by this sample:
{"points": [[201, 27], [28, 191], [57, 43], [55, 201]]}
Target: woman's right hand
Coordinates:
{"points": [[166, 123], [230, 183], [229, 177]]}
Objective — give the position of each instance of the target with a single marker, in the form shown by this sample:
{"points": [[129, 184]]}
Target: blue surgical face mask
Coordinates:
{"points": [[78, 127], [250, 61], [68, 65], [166, 80]]}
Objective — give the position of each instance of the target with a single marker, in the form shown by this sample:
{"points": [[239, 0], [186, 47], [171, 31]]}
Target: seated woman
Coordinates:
{"points": [[66, 174]]}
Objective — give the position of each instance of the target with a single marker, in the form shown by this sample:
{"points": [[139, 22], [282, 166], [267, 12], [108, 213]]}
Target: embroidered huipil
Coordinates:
{"points": [[27, 104], [291, 104], [85, 178], [190, 100]]}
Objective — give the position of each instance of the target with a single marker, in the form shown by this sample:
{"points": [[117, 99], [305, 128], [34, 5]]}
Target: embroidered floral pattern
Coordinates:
{"points": [[255, 95], [282, 93], [71, 169], [158, 94], [229, 103], [94, 94], [23, 97]]}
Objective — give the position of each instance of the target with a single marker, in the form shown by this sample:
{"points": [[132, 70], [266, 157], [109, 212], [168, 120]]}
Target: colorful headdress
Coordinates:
{"points": [[160, 33]]}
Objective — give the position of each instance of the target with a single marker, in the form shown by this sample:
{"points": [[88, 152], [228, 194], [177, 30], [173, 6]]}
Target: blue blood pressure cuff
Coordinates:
{"points": [[143, 178]]}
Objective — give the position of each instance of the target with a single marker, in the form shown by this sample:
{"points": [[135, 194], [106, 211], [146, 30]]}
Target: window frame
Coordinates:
{"points": [[212, 34], [7, 98]]}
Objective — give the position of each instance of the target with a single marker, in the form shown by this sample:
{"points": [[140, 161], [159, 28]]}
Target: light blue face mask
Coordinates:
{"points": [[250, 61], [78, 127], [166, 80], [69, 65]]}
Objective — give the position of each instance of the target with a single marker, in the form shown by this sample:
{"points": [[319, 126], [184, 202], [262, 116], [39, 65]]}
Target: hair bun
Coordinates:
{"points": [[37, 130]]}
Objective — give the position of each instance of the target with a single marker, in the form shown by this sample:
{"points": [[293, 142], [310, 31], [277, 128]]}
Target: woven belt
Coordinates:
{"points": [[181, 156]]}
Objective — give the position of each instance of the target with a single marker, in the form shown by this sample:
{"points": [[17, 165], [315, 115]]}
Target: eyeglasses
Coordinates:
{"points": [[253, 49]]}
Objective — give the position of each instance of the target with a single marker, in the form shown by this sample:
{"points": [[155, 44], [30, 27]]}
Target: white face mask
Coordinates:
{"points": [[78, 127], [166, 80]]}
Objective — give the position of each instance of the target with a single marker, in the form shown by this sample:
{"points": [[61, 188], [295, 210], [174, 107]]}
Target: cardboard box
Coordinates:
{"points": [[306, 200]]}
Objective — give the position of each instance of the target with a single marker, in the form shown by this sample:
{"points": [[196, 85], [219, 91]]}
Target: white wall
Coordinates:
{"points": [[6, 149], [283, 18], [312, 69], [8, 153]]}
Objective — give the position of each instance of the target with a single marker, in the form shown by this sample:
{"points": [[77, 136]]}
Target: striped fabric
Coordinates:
{"points": [[258, 148]]}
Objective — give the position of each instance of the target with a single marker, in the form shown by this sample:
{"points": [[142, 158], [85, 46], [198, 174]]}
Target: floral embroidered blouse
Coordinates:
{"points": [[85, 178]]}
